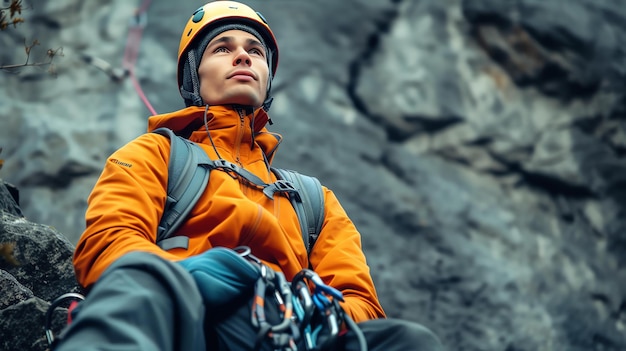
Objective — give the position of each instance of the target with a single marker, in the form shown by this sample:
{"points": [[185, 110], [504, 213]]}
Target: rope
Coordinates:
{"points": [[131, 51]]}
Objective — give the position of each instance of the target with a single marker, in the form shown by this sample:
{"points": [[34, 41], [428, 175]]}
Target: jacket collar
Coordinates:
{"points": [[189, 122]]}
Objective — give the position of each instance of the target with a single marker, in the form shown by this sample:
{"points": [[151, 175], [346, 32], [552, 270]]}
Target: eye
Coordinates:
{"points": [[257, 51], [220, 49]]}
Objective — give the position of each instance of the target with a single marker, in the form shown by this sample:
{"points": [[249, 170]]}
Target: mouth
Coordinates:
{"points": [[242, 75]]}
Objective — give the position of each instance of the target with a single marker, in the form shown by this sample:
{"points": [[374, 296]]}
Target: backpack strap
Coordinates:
{"points": [[188, 176], [308, 201]]}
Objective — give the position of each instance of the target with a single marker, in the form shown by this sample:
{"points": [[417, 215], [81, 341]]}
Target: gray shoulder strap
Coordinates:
{"points": [[188, 175], [309, 205], [185, 184]]}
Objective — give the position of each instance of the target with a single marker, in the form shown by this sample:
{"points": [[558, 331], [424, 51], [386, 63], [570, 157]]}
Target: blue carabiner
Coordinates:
{"points": [[326, 289]]}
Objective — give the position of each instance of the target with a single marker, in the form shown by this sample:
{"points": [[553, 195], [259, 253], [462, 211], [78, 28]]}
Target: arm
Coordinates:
{"points": [[338, 259], [124, 207]]}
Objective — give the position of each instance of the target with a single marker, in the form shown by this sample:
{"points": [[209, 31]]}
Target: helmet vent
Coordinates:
{"points": [[261, 17], [197, 16]]}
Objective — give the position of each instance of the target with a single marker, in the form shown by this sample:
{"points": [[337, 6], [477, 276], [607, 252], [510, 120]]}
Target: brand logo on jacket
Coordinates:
{"points": [[118, 162]]}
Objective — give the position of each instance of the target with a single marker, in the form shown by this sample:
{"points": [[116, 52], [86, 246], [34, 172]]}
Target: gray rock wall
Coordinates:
{"points": [[478, 145], [35, 269]]}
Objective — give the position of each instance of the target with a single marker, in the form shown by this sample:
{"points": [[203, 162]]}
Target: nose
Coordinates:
{"points": [[242, 57]]}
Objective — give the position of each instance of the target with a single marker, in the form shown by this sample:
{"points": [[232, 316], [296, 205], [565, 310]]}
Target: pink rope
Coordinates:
{"points": [[131, 51]]}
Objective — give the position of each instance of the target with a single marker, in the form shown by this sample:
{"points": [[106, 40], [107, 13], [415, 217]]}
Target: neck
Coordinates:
{"points": [[246, 109]]}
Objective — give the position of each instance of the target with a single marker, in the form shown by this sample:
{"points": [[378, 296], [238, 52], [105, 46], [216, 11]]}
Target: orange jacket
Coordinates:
{"points": [[127, 202]]}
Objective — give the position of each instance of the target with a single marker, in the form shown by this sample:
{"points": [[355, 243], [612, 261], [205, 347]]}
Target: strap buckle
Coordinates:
{"points": [[222, 163], [282, 186]]}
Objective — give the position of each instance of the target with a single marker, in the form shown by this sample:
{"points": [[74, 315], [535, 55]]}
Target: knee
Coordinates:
{"points": [[414, 335], [143, 268], [418, 334]]}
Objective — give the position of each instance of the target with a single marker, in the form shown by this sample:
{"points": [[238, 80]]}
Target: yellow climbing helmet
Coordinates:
{"points": [[206, 23]]}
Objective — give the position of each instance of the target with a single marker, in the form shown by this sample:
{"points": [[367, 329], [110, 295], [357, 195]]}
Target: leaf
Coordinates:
{"points": [[15, 7]]}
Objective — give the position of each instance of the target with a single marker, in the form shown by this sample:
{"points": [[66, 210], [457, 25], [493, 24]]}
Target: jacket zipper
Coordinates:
{"points": [[240, 133]]}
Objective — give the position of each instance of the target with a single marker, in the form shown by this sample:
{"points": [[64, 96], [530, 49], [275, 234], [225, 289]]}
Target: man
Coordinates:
{"points": [[142, 297]]}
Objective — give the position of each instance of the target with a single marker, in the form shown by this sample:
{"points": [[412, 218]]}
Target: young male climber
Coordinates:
{"points": [[141, 296]]}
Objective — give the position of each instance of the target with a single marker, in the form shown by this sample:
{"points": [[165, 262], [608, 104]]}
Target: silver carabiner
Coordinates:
{"points": [[53, 305]]}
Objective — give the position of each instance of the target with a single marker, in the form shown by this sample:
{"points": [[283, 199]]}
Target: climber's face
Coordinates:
{"points": [[234, 70]]}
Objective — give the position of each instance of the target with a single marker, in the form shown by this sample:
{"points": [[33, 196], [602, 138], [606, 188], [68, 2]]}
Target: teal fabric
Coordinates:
{"points": [[141, 302], [221, 275]]}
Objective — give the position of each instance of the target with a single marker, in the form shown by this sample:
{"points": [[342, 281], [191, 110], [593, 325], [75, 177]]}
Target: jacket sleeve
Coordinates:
{"points": [[124, 207], [339, 260]]}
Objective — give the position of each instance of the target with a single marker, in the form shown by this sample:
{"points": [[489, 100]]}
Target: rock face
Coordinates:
{"points": [[35, 268], [478, 145]]}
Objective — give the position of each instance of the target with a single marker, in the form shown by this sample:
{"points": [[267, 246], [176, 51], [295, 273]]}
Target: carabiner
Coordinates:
{"points": [[53, 305]]}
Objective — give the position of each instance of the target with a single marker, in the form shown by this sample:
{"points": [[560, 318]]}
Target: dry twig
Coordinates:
{"points": [[14, 11]]}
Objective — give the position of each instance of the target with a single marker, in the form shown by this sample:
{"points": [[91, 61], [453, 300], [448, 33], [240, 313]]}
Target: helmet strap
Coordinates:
{"points": [[267, 103]]}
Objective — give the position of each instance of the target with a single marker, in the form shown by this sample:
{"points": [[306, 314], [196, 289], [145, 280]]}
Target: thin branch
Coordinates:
{"points": [[51, 54], [15, 8]]}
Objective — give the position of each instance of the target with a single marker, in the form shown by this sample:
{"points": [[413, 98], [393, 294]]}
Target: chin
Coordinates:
{"points": [[238, 99]]}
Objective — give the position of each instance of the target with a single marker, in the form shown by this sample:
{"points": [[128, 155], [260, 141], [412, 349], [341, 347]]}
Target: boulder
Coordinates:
{"points": [[35, 269]]}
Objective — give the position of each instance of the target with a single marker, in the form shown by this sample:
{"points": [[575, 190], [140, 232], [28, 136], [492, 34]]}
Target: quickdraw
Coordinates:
{"points": [[309, 308], [284, 334], [319, 310]]}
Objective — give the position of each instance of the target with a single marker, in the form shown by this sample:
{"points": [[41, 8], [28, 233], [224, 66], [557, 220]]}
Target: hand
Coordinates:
{"points": [[221, 275]]}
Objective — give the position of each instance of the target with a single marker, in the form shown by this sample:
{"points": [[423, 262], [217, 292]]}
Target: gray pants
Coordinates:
{"points": [[143, 302]]}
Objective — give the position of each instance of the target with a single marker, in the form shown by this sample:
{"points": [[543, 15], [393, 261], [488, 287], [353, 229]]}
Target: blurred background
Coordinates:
{"points": [[478, 145]]}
